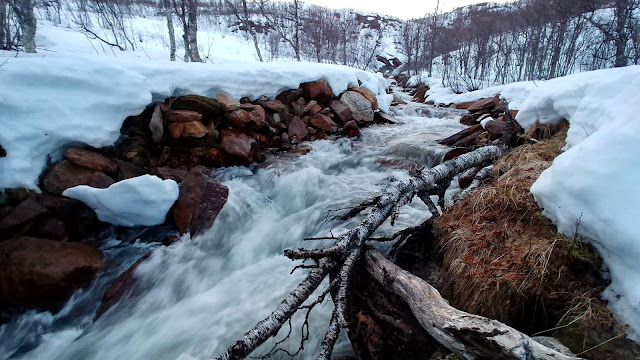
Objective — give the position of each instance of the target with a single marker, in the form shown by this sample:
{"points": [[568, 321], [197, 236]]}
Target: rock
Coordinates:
{"points": [[368, 95], [65, 174], [454, 153], [398, 163], [469, 140], [175, 129], [302, 150], [80, 220], [183, 116], [288, 96], [248, 116], [275, 106], [317, 90], [284, 141], [201, 104], [238, 145], [343, 111], [35, 272], [308, 107], [157, 124], [311, 131], [227, 103], [468, 120], [91, 160], [384, 118], [127, 170], [459, 135], [483, 139], [165, 173], [194, 129], [350, 129], [420, 95], [398, 101], [122, 287], [464, 105], [207, 156], [483, 104], [359, 105], [496, 128], [53, 229], [26, 211], [320, 135], [200, 201], [3, 152], [514, 113], [324, 122], [298, 129]]}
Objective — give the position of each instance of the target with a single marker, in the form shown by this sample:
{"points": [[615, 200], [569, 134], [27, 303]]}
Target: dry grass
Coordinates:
{"points": [[506, 261]]}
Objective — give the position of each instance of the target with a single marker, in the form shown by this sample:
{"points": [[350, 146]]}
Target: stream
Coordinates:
{"points": [[202, 294]]}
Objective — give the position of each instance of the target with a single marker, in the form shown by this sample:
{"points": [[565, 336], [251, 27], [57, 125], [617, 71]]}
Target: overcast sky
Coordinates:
{"points": [[404, 9]]}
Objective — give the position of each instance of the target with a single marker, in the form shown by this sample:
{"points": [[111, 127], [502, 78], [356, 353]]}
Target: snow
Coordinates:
{"points": [[143, 200], [592, 187], [63, 97]]}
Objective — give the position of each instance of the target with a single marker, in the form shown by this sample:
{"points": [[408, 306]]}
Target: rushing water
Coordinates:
{"points": [[202, 294]]}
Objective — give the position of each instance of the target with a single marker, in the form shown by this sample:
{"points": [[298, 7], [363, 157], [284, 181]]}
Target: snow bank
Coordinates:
{"points": [[50, 101], [515, 93], [595, 181], [143, 200]]}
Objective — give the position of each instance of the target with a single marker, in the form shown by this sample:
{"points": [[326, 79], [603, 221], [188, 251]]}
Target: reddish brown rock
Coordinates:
{"points": [[207, 156], [343, 111], [384, 118], [420, 95], [514, 113], [65, 174], [53, 229], [324, 122], [468, 120], [320, 135], [460, 135], [284, 141], [288, 96], [464, 105], [238, 145], [247, 116], [369, 96], [183, 116], [91, 160], [275, 106], [227, 103], [197, 103], [312, 131], [484, 104], [127, 170], [80, 220], [351, 129], [166, 173], [318, 91], [298, 129], [122, 287], [454, 153], [496, 128], [469, 140], [398, 163], [194, 129], [175, 129], [36, 272], [200, 201], [302, 150], [26, 211]]}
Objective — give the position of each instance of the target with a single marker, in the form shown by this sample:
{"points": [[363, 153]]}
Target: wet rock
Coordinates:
{"points": [[359, 105], [65, 174], [248, 116], [398, 101], [368, 95], [207, 156], [496, 128], [420, 95], [91, 160], [318, 91], [351, 129], [484, 104], [312, 108], [320, 135], [343, 111], [121, 288], [201, 104], [464, 105], [238, 145], [128, 170], [297, 128], [284, 141], [469, 120], [275, 106], [35, 272], [26, 211], [183, 116], [165, 173], [454, 153], [288, 96], [200, 201], [53, 229], [384, 118], [468, 140], [324, 122], [156, 125], [80, 220], [460, 135], [302, 150], [192, 129], [227, 103]]}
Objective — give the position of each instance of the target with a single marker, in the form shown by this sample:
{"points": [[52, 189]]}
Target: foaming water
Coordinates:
{"points": [[202, 294]]}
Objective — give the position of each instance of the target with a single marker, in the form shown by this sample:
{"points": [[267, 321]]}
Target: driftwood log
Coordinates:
{"points": [[341, 259]]}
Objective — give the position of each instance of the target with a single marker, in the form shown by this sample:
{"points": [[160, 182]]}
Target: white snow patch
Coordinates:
{"points": [[595, 181], [515, 93], [143, 200]]}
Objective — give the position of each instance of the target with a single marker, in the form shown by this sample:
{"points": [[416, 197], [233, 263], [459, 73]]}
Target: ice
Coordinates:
{"points": [[143, 200]]}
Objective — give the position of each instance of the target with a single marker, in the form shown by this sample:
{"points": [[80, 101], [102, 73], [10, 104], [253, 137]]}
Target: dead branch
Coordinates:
{"points": [[478, 180]]}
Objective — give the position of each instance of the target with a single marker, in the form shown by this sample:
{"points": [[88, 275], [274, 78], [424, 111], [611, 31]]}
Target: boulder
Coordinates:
{"points": [[128, 170], [288, 96], [484, 104], [350, 129], [318, 91], [201, 104], [275, 106], [65, 174], [343, 111], [496, 128], [468, 120], [368, 95], [464, 105], [247, 116], [454, 153], [420, 95], [324, 122], [122, 287], [298, 129], [227, 103], [207, 156], [469, 140], [53, 229], [26, 211], [156, 125], [238, 145], [91, 160], [80, 220], [359, 105], [37, 272], [183, 116], [460, 135], [165, 173], [200, 201]]}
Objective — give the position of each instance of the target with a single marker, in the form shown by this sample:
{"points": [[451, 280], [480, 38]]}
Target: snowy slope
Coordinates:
{"points": [[595, 181], [52, 100]]}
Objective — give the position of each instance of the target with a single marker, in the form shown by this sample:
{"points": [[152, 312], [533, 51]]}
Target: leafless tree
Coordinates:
{"points": [[240, 10], [23, 10], [285, 18]]}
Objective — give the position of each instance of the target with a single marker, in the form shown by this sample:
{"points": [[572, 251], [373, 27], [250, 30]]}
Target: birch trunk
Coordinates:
{"points": [[172, 34], [192, 7], [28, 24], [3, 21]]}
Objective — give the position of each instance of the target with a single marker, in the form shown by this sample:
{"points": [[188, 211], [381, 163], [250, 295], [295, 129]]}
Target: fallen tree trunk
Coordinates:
{"points": [[468, 336], [343, 257]]}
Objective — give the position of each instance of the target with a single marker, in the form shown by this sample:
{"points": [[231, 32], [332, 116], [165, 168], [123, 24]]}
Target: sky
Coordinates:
{"points": [[404, 9]]}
